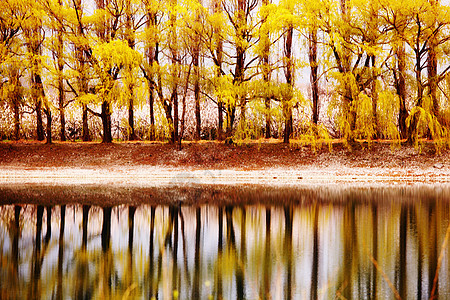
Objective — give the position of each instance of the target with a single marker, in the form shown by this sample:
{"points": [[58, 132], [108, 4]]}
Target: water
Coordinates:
{"points": [[244, 242]]}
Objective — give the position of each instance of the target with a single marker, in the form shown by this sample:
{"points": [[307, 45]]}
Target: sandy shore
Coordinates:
{"points": [[144, 164], [154, 176]]}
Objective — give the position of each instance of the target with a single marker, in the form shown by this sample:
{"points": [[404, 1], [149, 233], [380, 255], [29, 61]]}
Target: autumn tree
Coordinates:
{"points": [[289, 75], [150, 64], [33, 28], [265, 48], [12, 14], [132, 23], [422, 27], [242, 39]]}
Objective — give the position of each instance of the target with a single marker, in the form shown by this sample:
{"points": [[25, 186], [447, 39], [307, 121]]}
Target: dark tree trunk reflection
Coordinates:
{"points": [[48, 234], [349, 255], [240, 274], [83, 287], [34, 292], [315, 261], [106, 228], [218, 285], [85, 225], [196, 293], [432, 250], [59, 288], [288, 219], [374, 289], [267, 259], [15, 292], [402, 261], [151, 252], [107, 256], [131, 212], [175, 279]]}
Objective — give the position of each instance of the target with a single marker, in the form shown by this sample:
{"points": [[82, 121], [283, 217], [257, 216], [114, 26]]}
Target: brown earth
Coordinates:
{"points": [[215, 155], [118, 173]]}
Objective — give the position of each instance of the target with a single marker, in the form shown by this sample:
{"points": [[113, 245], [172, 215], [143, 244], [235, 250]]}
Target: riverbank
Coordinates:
{"points": [[268, 162]]}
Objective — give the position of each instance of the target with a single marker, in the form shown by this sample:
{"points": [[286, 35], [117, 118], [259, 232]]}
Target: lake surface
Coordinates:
{"points": [[224, 243]]}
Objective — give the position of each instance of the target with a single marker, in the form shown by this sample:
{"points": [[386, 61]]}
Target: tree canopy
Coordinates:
{"points": [[217, 69]]}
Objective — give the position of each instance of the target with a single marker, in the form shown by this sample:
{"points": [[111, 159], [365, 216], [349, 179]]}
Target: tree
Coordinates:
{"points": [[289, 75], [265, 41], [131, 25], [421, 26], [34, 37], [107, 58], [242, 40], [195, 27], [12, 14], [150, 65]]}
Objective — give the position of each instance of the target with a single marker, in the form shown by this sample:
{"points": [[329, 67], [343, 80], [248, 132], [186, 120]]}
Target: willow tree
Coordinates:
{"points": [[352, 41], [174, 66], [288, 65], [218, 51], [308, 13], [12, 14], [265, 49], [33, 28], [59, 51], [214, 33], [195, 26], [78, 33], [422, 26], [57, 21], [242, 40], [150, 66], [337, 27], [132, 23], [12, 92], [107, 57]]}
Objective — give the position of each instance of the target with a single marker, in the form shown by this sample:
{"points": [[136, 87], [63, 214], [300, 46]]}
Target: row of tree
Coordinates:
{"points": [[379, 68]]}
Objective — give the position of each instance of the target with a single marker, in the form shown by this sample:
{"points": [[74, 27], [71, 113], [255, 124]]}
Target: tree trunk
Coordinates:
{"points": [[287, 110], [40, 94], [220, 119], [62, 119], [106, 122], [151, 100], [412, 130], [265, 39], [231, 115], [240, 64], [16, 120], [401, 90], [129, 30], [132, 134], [432, 76], [220, 105], [39, 124], [16, 104], [197, 97], [152, 57], [195, 62], [174, 98], [175, 64], [374, 93], [48, 113], [59, 54], [168, 112], [314, 75], [85, 134]]}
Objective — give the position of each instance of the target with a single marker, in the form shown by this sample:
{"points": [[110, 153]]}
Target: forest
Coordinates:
{"points": [[169, 70]]}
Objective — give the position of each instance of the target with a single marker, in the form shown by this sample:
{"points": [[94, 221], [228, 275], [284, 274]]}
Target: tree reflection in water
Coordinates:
{"points": [[310, 250]]}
